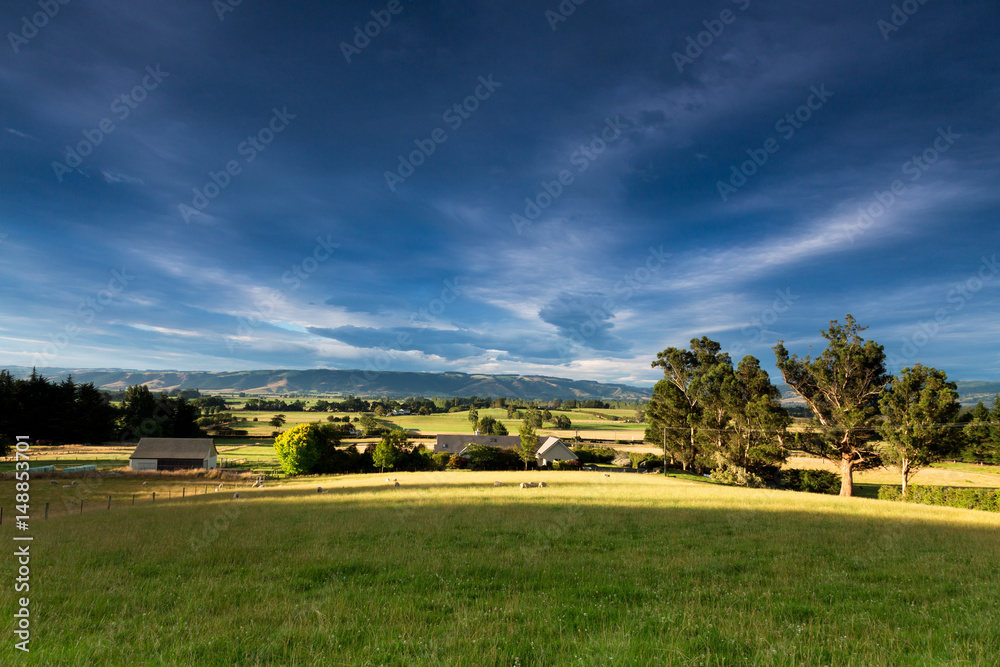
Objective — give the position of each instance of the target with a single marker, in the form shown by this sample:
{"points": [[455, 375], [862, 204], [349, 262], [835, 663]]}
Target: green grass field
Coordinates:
{"points": [[449, 570], [586, 422]]}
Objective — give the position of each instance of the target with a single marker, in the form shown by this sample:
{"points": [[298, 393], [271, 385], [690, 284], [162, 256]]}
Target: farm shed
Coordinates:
{"points": [[554, 449], [174, 454]]}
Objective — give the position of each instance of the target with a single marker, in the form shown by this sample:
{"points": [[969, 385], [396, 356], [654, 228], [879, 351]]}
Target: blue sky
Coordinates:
{"points": [[496, 187]]}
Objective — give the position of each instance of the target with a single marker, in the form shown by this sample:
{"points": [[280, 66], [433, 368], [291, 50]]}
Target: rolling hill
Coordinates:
{"points": [[343, 382]]}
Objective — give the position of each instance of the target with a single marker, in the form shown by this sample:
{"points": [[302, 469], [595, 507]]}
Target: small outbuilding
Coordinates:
{"points": [[553, 449], [174, 454]]}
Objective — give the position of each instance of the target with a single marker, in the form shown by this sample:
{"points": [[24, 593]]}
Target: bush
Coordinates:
{"points": [[890, 492], [567, 465], [484, 457], [645, 460], [737, 476], [457, 462], [602, 454], [986, 500], [811, 481]]}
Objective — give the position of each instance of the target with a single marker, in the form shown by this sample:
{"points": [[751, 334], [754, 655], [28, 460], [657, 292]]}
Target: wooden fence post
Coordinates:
{"points": [[133, 499], [46, 510], [183, 491], [109, 502], [81, 507], [154, 496]]}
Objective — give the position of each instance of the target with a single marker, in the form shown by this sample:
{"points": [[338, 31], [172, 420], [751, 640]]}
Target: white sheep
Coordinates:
{"points": [[497, 483], [607, 475], [524, 485], [542, 484], [236, 496]]}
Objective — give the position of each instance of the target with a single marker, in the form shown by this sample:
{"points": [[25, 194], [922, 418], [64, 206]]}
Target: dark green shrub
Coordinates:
{"points": [[601, 454], [457, 462], [986, 500], [483, 457], [811, 481], [645, 460]]}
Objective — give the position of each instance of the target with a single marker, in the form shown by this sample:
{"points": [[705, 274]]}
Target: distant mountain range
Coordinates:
{"points": [[397, 384], [392, 384]]}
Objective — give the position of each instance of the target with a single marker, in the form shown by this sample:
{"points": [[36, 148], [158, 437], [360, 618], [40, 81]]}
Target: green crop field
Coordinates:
{"points": [[449, 570]]}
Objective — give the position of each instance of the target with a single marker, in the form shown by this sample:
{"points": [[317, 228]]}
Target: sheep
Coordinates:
{"points": [[497, 483], [145, 483], [524, 485], [319, 489], [396, 484], [73, 482], [542, 484], [607, 475], [236, 496]]}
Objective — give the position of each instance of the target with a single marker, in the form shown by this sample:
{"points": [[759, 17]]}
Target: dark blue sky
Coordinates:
{"points": [[495, 186]]}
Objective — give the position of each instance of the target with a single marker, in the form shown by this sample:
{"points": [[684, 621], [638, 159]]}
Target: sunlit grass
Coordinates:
{"points": [[448, 569]]}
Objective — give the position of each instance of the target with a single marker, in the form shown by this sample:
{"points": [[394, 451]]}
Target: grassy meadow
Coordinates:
{"points": [[448, 569]]}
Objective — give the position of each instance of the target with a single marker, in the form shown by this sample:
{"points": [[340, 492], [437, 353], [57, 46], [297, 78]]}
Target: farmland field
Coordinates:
{"points": [[448, 569]]}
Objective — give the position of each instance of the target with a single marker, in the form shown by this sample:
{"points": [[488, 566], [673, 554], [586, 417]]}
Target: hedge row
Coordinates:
{"points": [[987, 500]]}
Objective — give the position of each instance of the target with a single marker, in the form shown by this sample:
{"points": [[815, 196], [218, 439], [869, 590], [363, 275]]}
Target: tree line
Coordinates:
{"points": [[67, 412], [707, 414]]}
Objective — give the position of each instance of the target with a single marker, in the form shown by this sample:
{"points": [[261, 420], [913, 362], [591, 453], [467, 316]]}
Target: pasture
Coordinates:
{"points": [[449, 569]]}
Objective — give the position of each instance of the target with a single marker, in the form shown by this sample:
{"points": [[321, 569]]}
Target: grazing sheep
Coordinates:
{"points": [[53, 482], [319, 489], [396, 484], [524, 485], [236, 496], [67, 486], [145, 483], [497, 483], [394, 479], [387, 479], [542, 484], [73, 482], [607, 475]]}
